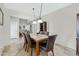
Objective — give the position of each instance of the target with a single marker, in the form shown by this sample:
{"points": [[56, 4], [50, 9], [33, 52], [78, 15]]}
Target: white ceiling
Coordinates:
{"points": [[26, 8]]}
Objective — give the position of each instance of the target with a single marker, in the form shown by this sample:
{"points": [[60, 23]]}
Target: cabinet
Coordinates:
{"points": [[43, 26]]}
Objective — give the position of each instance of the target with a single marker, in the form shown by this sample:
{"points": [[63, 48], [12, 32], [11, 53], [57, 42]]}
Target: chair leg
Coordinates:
{"points": [[53, 52], [24, 45], [31, 51], [46, 53]]}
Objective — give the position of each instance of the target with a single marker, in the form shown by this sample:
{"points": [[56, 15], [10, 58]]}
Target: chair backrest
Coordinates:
{"points": [[45, 33], [27, 38], [20, 35], [50, 42]]}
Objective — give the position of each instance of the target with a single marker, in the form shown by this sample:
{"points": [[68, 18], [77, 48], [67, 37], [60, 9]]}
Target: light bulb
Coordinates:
{"points": [[34, 22], [40, 21]]}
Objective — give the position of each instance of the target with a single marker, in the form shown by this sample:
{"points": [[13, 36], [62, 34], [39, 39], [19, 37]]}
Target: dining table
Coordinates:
{"points": [[38, 39]]}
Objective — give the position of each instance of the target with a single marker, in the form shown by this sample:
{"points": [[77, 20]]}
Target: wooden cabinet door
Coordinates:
{"points": [[43, 26]]}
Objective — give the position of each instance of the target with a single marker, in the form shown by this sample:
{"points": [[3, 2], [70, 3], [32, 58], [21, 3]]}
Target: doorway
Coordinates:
{"points": [[77, 39]]}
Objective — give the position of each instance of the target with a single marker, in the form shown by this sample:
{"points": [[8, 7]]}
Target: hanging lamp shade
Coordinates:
{"points": [[40, 21], [34, 22]]}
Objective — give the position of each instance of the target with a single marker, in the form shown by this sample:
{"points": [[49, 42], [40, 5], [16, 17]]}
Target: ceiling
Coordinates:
{"points": [[26, 8]]}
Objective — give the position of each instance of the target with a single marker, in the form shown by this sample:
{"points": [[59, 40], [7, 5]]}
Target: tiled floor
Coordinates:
{"points": [[17, 50]]}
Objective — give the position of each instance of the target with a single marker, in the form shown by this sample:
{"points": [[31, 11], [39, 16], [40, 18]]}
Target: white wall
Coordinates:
{"points": [[5, 29], [63, 23]]}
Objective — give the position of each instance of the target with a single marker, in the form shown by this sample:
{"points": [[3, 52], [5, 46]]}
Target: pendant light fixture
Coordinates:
{"points": [[34, 21], [37, 20]]}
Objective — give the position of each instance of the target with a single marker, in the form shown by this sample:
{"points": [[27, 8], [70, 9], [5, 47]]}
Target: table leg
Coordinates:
{"points": [[37, 50]]}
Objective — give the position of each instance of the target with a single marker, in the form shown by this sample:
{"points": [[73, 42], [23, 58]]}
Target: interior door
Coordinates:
{"points": [[77, 39]]}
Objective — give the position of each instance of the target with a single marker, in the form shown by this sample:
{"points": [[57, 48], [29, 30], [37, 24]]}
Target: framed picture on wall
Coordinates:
{"points": [[1, 17]]}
